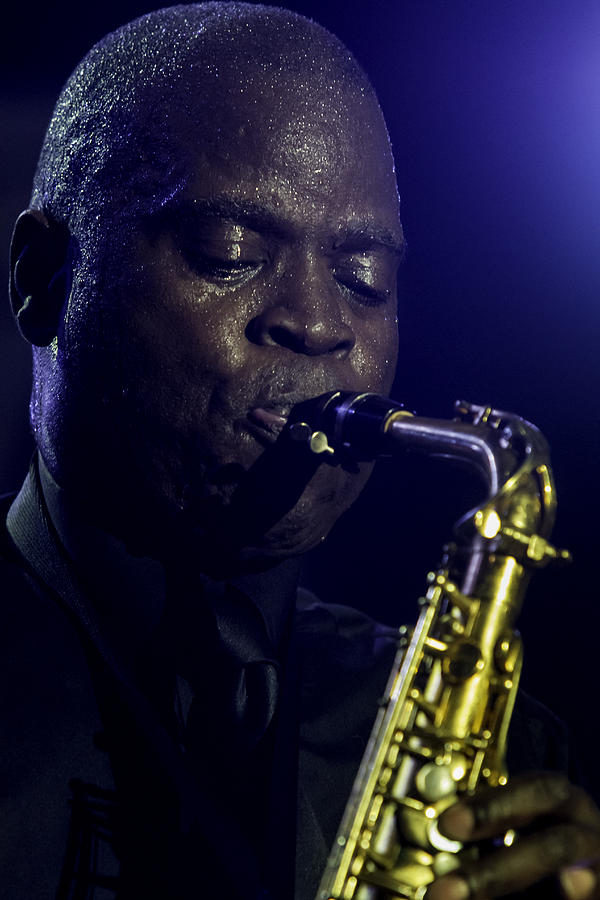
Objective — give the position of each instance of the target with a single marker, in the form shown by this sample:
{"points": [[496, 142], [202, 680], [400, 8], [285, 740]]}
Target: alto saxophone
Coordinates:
{"points": [[443, 721]]}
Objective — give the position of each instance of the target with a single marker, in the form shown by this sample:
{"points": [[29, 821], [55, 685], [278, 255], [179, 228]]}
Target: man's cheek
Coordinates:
{"points": [[376, 373]]}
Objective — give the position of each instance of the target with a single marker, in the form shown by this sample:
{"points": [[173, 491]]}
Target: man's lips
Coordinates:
{"points": [[267, 418], [269, 422]]}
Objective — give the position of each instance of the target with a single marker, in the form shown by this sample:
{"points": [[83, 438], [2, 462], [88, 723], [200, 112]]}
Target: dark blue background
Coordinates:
{"points": [[494, 113]]}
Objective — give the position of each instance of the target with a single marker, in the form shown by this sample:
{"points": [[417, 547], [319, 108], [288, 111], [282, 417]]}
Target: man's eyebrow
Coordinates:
{"points": [[240, 210], [263, 217], [359, 236]]}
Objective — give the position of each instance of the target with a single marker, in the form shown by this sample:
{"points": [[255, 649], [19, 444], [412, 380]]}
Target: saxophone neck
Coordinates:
{"points": [[507, 451]]}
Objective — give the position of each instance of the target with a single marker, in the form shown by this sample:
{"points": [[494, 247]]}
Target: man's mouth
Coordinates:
{"points": [[268, 417], [266, 423]]}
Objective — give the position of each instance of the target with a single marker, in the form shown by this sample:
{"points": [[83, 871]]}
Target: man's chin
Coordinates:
{"points": [[255, 538], [276, 509], [222, 556], [286, 540]]}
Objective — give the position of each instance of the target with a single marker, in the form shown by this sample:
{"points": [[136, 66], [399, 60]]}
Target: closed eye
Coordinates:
{"points": [[363, 293], [227, 271]]}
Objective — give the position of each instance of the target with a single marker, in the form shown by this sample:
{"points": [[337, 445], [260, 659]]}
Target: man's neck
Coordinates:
{"points": [[129, 591]]}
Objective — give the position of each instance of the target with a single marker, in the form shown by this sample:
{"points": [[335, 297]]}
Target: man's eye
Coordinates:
{"points": [[227, 271], [362, 292], [365, 277]]}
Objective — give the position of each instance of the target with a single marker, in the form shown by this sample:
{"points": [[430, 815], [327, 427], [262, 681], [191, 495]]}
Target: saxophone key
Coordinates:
{"points": [[444, 863], [434, 782], [407, 880], [439, 841]]}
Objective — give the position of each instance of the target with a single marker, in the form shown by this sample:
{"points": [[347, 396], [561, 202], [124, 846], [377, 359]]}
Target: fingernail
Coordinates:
{"points": [[450, 887], [578, 883], [457, 822]]}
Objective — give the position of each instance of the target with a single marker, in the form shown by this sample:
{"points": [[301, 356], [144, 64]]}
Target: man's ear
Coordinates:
{"points": [[40, 276]]}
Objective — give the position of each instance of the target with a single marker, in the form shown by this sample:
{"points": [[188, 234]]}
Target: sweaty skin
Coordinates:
{"points": [[242, 261], [269, 277]]}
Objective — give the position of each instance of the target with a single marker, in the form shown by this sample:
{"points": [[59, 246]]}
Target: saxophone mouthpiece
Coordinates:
{"points": [[346, 423]]}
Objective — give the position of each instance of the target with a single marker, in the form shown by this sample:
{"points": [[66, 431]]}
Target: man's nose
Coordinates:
{"points": [[306, 317]]}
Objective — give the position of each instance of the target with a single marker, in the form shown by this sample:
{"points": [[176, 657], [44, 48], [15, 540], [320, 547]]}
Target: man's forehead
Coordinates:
{"points": [[245, 108], [284, 150], [289, 201]]}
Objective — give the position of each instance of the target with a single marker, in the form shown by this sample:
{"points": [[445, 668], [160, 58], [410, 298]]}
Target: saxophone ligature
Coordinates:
{"points": [[442, 725]]}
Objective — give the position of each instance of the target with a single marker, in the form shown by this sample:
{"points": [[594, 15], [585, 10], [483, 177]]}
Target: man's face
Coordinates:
{"points": [[269, 278]]}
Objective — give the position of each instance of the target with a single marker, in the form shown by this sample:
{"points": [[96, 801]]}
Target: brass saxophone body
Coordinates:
{"points": [[443, 721]]}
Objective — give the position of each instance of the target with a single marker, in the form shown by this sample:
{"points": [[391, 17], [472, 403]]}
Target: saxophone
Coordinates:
{"points": [[442, 725]]}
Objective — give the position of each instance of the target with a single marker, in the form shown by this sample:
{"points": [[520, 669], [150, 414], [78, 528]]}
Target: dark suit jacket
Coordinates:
{"points": [[100, 801]]}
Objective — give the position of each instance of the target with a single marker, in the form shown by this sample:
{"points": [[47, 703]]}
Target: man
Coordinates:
{"points": [[213, 238]]}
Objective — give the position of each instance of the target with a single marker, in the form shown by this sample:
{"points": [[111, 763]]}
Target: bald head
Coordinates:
{"points": [[116, 131]]}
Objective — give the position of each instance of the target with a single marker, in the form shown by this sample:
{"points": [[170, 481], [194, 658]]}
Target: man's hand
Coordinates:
{"points": [[559, 834]]}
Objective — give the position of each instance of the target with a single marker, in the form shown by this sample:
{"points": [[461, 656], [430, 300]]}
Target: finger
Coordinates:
{"points": [[450, 887], [579, 883], [513, 869], [493, 810]]}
